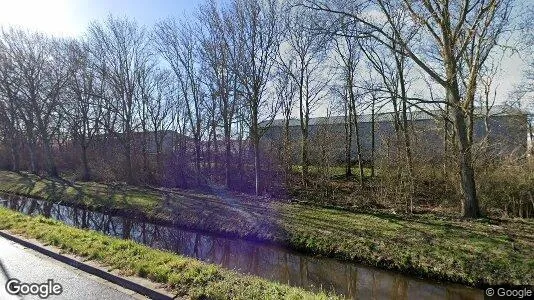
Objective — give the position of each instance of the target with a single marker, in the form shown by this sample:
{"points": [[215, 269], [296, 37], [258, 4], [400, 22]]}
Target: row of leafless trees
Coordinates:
{"points": [[195, 77], [449, 43], [221, 78]]}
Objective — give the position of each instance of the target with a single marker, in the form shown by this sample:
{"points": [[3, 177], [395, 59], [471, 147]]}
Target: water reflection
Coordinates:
{"points": [[269, 262]]}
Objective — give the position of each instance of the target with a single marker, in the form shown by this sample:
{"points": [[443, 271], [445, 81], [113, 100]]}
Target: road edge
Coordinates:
{"points": [[94, 270]]}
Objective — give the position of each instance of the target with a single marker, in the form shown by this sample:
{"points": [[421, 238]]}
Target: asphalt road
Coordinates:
{"points": [[29, 266]]}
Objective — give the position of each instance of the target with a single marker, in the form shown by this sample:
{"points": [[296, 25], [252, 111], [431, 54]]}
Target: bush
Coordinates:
{"points": [[507, 188]]}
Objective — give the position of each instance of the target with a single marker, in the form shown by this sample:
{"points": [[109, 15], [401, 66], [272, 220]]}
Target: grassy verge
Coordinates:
{"points": [[183, 275], [487, 251], [90, 194]]}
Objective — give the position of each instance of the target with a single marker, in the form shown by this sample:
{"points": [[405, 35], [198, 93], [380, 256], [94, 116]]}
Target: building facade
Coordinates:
{"points": [[502, 132]]}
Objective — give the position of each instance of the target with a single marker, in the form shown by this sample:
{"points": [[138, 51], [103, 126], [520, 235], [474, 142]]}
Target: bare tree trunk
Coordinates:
{"points": [[304, 154], [159, 161], [352, 98], [158, 142], [14, 150], [14, 157], [531, 134], [257, 166], [227, 157], [256, 146], [470, 208], [215, 148], [50, 164], [348, 140], [405, 130], [183, 154], [304, 122], [240, 153], [208, 160], [129, 168], [405, 126], [198, 154], [86, 171], [144, 153], [359, 148], [34, 167], [287, 151], [445, 138], [373, 146]]}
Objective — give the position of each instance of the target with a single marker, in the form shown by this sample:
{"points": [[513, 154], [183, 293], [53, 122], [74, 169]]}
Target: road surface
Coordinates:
{"points": [[29, 266]]}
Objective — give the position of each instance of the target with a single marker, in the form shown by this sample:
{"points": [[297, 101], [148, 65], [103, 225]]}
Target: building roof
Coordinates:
{"points": [[496, 110]]}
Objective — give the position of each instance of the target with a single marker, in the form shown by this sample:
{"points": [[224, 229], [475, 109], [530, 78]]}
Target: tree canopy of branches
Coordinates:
{"points": [[121, 51], [459, 37]]}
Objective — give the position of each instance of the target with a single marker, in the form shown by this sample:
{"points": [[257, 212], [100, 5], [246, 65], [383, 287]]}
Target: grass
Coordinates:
{"points": [[475, 252], [90, 194], [185, 276]]}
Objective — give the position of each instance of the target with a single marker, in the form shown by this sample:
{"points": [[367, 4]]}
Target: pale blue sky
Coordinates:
{"points": [[70, 17]]}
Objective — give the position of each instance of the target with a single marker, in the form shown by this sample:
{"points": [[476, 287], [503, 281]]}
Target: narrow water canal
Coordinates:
{"points": [[272, 263]]}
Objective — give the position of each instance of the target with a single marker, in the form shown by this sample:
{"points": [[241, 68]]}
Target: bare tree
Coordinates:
{"points": [[340, 93], [41, 69], [348, 54], [121, 50], [179, 46], [82, 107], [450, 30], [255, 32], [286, 91], [392, 68], [8, 125], [9, 98], [144, 92], [304, 61], [488, 93], [161, 111], [217, 51]]}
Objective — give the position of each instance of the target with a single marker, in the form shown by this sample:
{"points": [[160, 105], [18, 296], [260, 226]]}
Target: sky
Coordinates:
{"points": [[69, 18]]}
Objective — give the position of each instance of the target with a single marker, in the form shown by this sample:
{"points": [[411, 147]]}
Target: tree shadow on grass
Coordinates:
{"points": [[56, 190], [25, 180]]}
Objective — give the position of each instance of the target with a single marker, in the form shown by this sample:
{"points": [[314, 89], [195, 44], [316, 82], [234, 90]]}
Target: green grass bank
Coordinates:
{"points": [[472, 252]]}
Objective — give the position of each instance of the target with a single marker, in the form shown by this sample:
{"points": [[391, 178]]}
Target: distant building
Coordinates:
{"points": [[502, 132], [169, 140]]}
